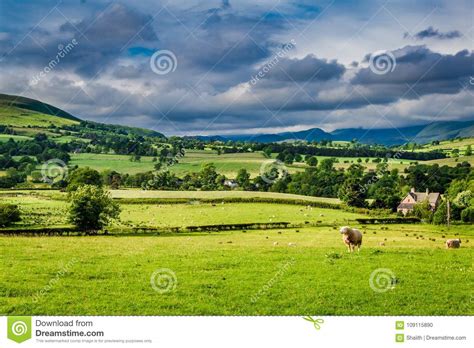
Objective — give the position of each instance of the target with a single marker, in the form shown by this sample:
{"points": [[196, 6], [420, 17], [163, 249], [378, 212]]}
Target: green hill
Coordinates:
{"points": [[29, 116], [16, 111]]}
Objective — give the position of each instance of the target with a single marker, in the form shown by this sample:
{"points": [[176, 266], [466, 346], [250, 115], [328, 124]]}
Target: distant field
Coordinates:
{"points": [[68, 138], [449, 145], [6, 137], [193, 161], [13, 116], [451, 161], [227, 164], [345, 162], [182, 215], [49, 208], [214, 195], [119, 163]]}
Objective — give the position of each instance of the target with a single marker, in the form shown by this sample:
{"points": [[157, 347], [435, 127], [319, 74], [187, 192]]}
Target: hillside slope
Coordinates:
{"points": [[16, 111], [23, 114]]}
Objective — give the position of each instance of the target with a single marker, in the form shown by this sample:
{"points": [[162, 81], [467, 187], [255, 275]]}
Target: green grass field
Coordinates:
{"points": [[13, 116], [448, 145], [5, 137], [236, 273], [254, 272], [193, 161], [133, 193], [48, 208], [452, 162], [227, 164]]}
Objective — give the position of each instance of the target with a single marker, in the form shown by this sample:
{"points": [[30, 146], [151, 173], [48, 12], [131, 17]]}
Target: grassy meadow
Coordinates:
{"points": [[228, 273], [227, 164], [294, 271], [18, 117]]}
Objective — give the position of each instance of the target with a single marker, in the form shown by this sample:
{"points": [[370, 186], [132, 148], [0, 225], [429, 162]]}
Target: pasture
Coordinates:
{"points": [[251, 272], [227, 164], [237, 273]]}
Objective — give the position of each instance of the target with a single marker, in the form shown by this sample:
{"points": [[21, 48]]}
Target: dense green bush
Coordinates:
{"points": [[92, 208], [9, 213], [467, 215]]}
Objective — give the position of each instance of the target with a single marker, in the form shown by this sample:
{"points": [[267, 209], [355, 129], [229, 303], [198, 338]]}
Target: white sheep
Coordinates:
{"points": [[453, 243], [275, 243], [291, 244], [351, 237]]}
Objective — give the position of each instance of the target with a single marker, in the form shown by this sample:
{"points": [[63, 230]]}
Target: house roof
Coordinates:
{"points": [[418, 197], [432, 197]]}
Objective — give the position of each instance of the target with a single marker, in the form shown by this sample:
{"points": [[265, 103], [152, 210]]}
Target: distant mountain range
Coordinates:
{"points": [[422, 134]]}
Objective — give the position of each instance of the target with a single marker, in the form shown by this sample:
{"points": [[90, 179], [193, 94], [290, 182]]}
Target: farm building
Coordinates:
{"points": [[413, 197]]}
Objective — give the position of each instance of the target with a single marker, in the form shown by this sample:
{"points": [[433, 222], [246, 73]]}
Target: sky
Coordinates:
{"points": [[243, 67]]}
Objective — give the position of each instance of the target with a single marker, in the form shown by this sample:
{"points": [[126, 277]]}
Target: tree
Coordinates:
{"points": [[267, 152], [243, 178], [351, 194], [423, 211], [468, 151], [84, 176], [91, 208], [467, 215], [9, 213], [208, 176], [312, 161], [440, 216]]}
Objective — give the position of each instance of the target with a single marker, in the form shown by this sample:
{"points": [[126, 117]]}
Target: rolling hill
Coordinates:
{"points": [[16, 111], [28, 116]]}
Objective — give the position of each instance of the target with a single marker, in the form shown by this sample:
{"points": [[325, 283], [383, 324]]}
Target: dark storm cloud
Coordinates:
{"points": [[431, 33], [101, 39], [220, 45], [309, 68], [104, 37], [428, 72]]}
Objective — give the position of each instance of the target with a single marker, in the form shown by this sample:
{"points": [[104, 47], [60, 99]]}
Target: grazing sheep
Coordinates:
{"points": [[453, 243], [291, 244], [275, 243], [351, 237]]}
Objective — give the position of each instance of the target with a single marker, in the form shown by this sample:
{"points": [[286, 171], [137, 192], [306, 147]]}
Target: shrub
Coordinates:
{"points": [[84, 176], [92, 208], [440, 217], [467, 215], [9, 213]]}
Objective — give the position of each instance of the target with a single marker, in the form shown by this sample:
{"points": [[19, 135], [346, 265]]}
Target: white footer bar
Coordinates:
{"points": [[209, 332]]}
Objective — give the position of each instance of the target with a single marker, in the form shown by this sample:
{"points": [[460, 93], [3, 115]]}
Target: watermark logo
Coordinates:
{"points": [[399, 338], [316, 322], [53, 281], [272, 171], [382, 280], [163, 280], [19, 328], [269, 65], [54, 170], [163, 62], [63, 51], [280, 273], [382, 62]]}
